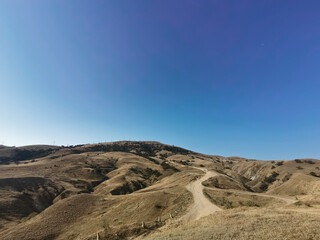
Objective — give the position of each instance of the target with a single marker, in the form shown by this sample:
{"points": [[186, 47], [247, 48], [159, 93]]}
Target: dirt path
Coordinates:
{"points": [[202, 206]]}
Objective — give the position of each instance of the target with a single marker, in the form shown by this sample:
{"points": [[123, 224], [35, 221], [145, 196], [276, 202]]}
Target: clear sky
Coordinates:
{"points": [[219, 77]]}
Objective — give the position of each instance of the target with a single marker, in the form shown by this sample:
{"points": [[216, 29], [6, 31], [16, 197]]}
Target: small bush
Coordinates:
{"points": [[298, 161], [135, 170], [249, 204], [271, 178], [201, 165], [279, 163], [314, 174], [184, 163], [309, 161], [167, 166], [264, 186], [150, 172], [163, 156]]}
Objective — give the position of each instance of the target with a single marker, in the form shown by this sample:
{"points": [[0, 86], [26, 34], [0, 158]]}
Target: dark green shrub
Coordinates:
{"points": [[264, 186], [309, 161], [150, 172], [271, 178], [279, 163], [314, 174], [184, 163], [167, 166]]}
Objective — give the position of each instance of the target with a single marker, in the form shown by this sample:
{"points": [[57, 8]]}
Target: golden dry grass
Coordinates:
{"points": [[84, 202], [246, 224], [230, 199]]}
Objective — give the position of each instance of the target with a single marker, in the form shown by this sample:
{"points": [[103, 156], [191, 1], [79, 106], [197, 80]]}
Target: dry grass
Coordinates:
{"points": [[229, 199], [80, 183], [246, 224]]}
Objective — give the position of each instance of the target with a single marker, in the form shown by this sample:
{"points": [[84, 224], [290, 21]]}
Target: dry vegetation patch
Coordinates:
{"points": [[229, 199], [223, 182], [246, 224]]}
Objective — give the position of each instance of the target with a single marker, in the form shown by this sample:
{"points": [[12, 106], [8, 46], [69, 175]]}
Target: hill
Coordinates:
{"points": [[125, 190]]}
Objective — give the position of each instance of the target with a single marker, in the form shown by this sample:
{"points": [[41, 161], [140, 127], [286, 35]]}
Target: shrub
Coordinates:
{"points": [[158, 206], [201, 165], [314, 174], [249, 204], [264, 186], [167, 166], [149, 172], [309, 161], [184, 163], [96, 168], [135, 170], [279, 163], [271, 178], [298, 161]]}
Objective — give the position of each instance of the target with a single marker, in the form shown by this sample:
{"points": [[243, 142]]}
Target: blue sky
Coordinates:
{"points": [[219, 77]]}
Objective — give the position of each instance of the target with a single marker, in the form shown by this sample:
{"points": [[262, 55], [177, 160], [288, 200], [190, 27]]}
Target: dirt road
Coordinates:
{"points": [[202, 206]]}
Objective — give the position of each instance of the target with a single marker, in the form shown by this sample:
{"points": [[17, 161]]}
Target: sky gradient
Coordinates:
{"points": [[218, 77]]}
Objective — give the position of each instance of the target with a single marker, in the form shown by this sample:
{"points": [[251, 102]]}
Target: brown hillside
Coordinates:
{"points": [[126, 189]]}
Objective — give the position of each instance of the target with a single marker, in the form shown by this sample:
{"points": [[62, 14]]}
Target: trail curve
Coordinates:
{"points": [[201, 206]]}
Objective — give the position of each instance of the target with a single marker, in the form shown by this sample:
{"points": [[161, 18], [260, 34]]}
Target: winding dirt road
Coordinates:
{"points": [[202, 206]]}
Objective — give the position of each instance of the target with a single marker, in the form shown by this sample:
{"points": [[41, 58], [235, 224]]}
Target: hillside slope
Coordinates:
{"points": [[127, 189]]}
